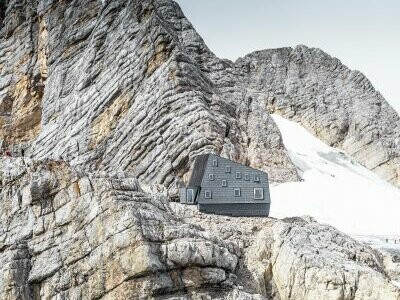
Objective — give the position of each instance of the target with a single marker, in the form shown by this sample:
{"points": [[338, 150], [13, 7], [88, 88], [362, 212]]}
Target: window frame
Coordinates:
{"points": [[235, 190], [238, 175], [247, 177], [259, 190], [211, 177], [191, 191], [228, 169], [224, 181], [215, 163], [206, 193], [256, 178]]}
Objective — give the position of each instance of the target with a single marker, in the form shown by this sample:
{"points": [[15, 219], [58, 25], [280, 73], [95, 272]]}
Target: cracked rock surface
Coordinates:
{"points": [[111, 102], [68, 234], [298, 258], [127, 85], [130, 85], [336, 104]]}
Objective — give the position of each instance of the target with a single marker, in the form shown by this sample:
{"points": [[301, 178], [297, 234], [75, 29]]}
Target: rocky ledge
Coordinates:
{"points": [[67, 234]]}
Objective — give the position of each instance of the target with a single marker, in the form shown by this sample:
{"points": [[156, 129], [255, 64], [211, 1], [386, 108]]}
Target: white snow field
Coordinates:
{"points": [[335, 189]]}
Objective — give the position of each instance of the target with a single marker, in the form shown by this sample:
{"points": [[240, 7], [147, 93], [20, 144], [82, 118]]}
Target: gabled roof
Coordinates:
{"points": [[198, 170]]}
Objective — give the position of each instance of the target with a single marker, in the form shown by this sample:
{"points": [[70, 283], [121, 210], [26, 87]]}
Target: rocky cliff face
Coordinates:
{"points": [[130, 85], [113, 99], [70, 235], [339, 106]]}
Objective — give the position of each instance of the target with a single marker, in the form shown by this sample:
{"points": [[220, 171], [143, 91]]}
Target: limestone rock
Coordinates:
{"points": [[91, 236], [127, 85], [112, 100], [391, 261], [336, 104], [298, 258], [98, 236], [307, 260], [130, 85]]}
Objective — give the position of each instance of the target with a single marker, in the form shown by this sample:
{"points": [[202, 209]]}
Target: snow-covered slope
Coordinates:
{"points": [[335, 189]]}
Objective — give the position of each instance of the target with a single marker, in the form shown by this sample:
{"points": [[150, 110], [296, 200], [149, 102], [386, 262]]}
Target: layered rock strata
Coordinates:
{"points": [[65, 234], [336, 104], [111, 98], [130, 85]]}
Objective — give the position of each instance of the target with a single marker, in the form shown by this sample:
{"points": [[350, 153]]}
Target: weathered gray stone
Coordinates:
{"points": [[298, 258], [130, 85], [88, 236], [103, 95], [336, 104]]}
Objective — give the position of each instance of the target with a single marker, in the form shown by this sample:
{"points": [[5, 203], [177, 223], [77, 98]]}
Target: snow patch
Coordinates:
{"points": [[335, 189]]}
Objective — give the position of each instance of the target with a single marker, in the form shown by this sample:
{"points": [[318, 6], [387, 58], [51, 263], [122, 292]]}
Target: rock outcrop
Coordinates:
{"points": [[65, 234], [298, 258], [68, 234], [129, 85]]}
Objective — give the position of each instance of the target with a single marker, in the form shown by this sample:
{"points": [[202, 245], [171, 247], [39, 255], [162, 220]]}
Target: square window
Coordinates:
{"points": [[228, 169], [237, 192], [258, 194], [207, 194], [224, 183], [246, 177], [211, 177], [215, 163], [238, 175], [256, 178]]}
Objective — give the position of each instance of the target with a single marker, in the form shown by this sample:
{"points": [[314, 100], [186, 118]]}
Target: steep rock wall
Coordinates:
{"points": [[130, 85], [22, 73], [73, 235]]}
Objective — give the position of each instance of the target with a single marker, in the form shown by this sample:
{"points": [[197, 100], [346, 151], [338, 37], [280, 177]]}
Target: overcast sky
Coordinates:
{"points": [[363, 34]]}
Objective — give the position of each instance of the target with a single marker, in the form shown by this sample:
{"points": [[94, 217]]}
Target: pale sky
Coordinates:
{"points": [[363, 34]]}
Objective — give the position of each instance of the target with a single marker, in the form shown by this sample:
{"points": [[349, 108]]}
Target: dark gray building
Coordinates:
{"points": [[221, 186]]}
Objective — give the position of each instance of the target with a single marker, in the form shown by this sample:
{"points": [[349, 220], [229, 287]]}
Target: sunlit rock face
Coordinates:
{"points": [[74, 235], [298, 258]]}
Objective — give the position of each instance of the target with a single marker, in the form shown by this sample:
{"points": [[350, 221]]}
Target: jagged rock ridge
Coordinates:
{"points": [[130, 85], [337, 105], [73, 235]]}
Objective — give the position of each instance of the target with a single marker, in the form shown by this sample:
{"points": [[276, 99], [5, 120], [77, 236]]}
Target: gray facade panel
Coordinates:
{"points": [[182, 195], [198, 170], [208, 174], [234, 209], [226, 195]]}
